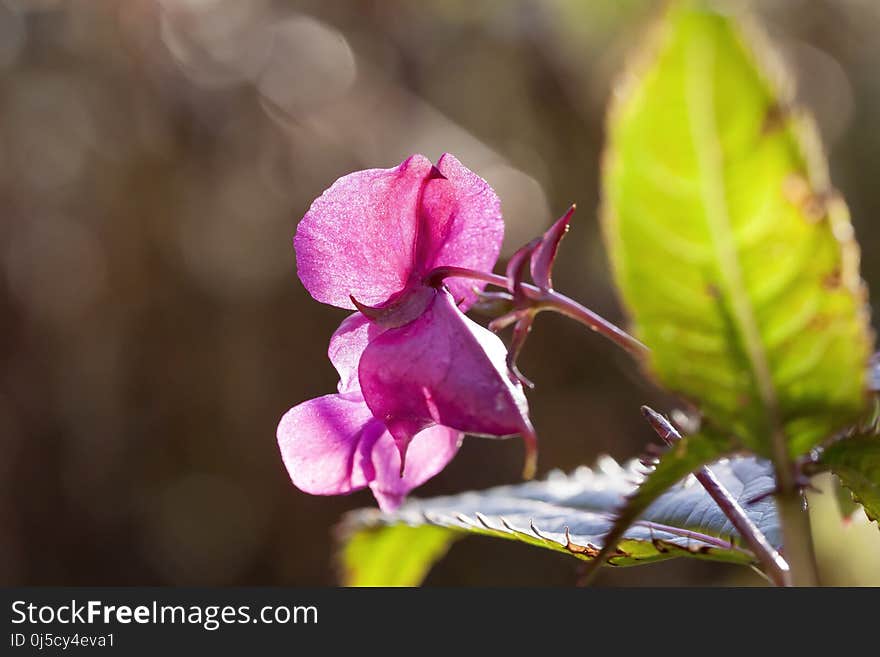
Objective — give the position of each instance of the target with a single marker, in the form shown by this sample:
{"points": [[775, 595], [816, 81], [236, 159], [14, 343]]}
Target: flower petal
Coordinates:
{"points": [[333, 445], [445, 369], [374, 231], [462, 226], [323, 442], [431, 450], [357, 238], [346, 346]]}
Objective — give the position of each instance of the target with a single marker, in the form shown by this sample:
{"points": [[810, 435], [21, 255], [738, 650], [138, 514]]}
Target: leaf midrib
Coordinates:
{"points": [[700, 105]]}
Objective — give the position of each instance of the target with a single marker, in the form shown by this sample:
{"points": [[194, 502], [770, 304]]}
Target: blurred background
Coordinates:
{"points": [[155, 156]]}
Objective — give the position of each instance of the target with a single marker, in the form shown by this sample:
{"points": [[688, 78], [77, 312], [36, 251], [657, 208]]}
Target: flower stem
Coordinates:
{"points": [[794, 519], [797, 537], [551, 300], [775, 567]]}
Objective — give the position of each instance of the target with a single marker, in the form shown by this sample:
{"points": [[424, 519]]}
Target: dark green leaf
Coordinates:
{"points": [[684, 457], [856, 461], [567, 513]]}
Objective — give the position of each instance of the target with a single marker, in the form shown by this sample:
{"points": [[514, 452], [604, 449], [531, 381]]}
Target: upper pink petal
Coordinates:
{"points": [[373, 232], [463, 226], [358, 237], [444, 369]]}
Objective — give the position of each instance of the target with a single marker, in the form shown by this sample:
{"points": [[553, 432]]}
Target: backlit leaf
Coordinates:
{"points": [[733, 253]]}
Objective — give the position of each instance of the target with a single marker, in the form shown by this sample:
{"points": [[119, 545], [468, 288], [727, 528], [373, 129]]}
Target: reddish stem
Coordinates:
{"points": [[550, 300], [775, 567]]}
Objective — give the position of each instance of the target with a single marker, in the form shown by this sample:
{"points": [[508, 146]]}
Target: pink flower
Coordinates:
{"points": [[415, 372]]}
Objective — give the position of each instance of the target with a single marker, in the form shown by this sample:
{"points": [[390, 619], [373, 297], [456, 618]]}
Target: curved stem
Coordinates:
{"points": [[437, 275], [551, 300], [775, 567]]}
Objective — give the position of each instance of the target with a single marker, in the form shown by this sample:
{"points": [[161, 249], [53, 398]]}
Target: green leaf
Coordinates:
{"points": [[567, 513], [856, 461], [846, 505], [733, 253], [397, 555]]}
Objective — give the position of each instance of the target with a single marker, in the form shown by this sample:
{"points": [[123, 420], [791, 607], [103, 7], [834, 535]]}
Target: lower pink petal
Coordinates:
{"points": [[346, 346], [333, 445], [320, 443], [428, 454], [444, 369]]}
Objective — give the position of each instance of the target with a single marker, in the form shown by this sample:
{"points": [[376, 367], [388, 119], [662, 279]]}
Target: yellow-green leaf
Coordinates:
{"points": [[398, 555], [734, 255]]}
